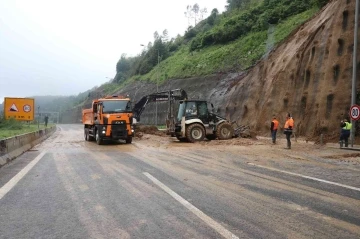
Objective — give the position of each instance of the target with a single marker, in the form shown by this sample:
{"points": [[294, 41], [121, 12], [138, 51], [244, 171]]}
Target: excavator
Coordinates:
{"points": [[193, 121]]}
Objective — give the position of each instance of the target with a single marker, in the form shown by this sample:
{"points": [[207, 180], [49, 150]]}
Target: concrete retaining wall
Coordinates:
{"points": [[11, 148]]}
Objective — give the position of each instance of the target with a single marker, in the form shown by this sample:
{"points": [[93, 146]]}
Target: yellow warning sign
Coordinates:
{"points": [[19, 108]]}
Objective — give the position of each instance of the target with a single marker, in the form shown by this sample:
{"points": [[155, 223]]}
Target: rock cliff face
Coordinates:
{"points": [[308, 75]]}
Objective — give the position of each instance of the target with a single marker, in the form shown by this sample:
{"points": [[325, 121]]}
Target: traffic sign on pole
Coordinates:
{"points": [[19, 108], [354, 112]]}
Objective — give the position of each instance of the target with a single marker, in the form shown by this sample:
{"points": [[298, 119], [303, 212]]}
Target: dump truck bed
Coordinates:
{"points": [[88, 116]]}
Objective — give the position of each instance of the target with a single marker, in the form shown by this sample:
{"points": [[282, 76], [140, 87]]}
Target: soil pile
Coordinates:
{"points": [[140, 130]]}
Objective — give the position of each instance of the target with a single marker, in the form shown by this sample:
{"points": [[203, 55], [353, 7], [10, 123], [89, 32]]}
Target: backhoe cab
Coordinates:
{"points": [[193, 121]]}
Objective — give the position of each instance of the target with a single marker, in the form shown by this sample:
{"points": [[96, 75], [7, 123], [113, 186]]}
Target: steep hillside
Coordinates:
{"points": [[309, 75]]}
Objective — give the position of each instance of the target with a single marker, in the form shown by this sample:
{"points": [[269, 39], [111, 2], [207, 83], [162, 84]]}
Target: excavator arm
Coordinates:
{"points": [[169, 96]]}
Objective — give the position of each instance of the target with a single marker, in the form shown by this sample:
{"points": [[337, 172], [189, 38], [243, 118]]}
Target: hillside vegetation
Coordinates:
{"points": [[231, 41]]}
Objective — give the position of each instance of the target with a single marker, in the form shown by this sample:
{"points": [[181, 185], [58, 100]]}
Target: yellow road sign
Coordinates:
{"points": [[19, 108]]}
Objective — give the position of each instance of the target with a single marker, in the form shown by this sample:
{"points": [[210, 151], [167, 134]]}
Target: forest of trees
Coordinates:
{"points": [[151, 55]]}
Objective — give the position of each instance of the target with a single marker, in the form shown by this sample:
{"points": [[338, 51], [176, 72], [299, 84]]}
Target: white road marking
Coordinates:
{"points": [[308, 177], [216, 226], [9, 185]]}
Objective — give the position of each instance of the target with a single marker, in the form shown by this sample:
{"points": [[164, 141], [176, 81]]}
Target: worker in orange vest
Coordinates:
{"points": [[274, 127], [288, 129]]}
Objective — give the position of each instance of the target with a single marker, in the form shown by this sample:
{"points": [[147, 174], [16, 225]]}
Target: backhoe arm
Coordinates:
{"points": [[171, 95]]}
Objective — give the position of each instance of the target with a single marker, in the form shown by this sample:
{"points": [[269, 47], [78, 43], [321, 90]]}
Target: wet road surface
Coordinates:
{"points": [[158, 188]]}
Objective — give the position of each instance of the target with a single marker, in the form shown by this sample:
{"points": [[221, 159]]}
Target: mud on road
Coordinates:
{"points": [[305, 157], [327, 162]]}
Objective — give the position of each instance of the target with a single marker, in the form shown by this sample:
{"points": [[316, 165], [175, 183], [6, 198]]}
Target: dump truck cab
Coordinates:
{"points": [[110, 118]]}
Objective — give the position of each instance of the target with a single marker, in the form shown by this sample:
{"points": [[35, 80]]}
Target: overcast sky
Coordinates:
{"points": [[64, 47]]}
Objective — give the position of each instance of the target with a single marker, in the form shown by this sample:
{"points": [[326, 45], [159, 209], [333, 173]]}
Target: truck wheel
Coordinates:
{"points": [[195, 132], [224, 131], [97, 137], [129, 140]]}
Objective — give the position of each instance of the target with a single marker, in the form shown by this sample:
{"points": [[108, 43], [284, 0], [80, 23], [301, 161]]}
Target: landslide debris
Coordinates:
{"points": [[241, 131], [140, 130]]}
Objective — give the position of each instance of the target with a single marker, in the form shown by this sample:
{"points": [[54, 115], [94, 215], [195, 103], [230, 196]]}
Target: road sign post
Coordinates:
{"points": [[354, 81], [39, 117], [21, 109], [354, 114]]}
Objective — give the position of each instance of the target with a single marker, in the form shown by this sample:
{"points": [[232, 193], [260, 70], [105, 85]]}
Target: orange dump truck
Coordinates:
{"points": [[110, 118]]}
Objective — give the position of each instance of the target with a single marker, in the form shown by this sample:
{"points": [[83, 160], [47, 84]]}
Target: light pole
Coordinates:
{"points": [[157, 87], [353, 92]]}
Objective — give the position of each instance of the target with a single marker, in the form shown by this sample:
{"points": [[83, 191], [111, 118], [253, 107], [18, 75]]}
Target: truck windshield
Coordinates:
{"points": [[116, 106]]}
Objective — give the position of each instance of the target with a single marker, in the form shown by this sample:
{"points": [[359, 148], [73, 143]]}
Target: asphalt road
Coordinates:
{"points": [[77, 189]]}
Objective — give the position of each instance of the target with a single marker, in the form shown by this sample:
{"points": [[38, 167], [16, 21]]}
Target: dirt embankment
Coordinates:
{"points": [[309, 75]]}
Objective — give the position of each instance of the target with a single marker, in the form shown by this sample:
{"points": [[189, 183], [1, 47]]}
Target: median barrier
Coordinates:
{"points": [[13, 147]]}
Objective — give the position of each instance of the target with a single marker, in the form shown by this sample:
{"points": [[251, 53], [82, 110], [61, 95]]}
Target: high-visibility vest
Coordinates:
{"points": [[288, 123], [347, 126], [276, 124]]}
